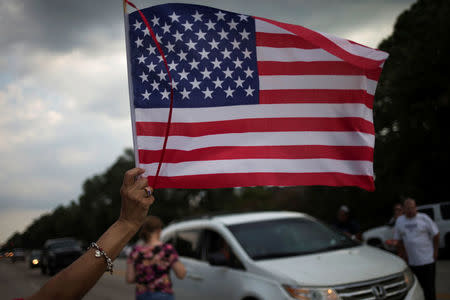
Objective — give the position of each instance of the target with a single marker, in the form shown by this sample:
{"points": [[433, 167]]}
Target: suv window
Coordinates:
{"points": [[215, 243], [428, 211], [445, 211], [64, 244], [288, 237], [187, 243]]}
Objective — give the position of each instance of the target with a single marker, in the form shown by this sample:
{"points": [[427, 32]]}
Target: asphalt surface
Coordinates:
{"points": [[18, 280]]}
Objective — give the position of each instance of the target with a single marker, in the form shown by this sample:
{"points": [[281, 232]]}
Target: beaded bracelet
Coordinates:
{"points": [[99, 253]]}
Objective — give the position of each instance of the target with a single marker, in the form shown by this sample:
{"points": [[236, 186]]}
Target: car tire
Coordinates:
{"points": [[43, 270], [51, 271]]}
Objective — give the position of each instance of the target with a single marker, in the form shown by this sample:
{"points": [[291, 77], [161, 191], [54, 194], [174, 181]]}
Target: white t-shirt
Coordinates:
{"points": [[417, 235]]}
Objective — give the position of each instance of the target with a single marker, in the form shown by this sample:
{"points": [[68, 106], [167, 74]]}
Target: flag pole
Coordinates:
{"points": [[130, 84]]}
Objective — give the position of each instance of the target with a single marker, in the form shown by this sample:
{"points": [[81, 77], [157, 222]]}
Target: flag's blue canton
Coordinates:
{"points": [[211, 56]]}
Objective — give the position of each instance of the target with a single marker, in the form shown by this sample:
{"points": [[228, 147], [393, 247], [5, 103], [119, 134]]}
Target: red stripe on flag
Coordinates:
{"points": [[282, 41], [314, 68], [315, 96], [259, 152], [323, 42], [209, 181], [255, 125]]}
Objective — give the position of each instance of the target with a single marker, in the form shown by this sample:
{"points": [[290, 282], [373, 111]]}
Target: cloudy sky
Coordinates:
{"points": [[64, 111]]}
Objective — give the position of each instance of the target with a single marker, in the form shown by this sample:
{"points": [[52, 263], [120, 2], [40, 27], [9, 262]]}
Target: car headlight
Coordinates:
{"points": [[304, 293], [35, 261], [409, 278]]}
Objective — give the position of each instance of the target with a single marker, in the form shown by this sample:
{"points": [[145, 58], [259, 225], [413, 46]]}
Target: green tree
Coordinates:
{"points": [[412, 105]]}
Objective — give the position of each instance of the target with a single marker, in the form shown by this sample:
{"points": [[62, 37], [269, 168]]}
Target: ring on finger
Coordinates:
{"points": [[148, 190]]}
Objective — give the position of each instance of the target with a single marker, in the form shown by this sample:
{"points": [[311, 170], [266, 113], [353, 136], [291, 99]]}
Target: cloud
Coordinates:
{"points": [[64, 120], [59, 26]]}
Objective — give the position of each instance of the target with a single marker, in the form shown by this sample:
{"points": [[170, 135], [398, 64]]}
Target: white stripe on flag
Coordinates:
{"points": [[326, 138], [319, 82], [353, 167], [224, 113], [356, 49], [293, 54], [263, 26]]}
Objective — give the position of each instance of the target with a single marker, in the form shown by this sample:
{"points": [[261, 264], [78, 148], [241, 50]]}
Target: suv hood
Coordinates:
{"points": [[336, 267]]}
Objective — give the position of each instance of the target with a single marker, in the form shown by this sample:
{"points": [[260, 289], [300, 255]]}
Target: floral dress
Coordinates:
{"points": [[152, 267]]}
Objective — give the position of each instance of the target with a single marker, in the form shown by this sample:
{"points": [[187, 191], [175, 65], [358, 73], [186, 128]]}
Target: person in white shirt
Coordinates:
{"points": [[418, 244]]}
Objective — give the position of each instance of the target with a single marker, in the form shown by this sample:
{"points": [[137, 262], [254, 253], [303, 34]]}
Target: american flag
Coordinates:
{"points": [[256, 102]]}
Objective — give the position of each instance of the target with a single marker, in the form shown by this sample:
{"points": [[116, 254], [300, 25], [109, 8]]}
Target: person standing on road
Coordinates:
{"points": [[149, 265], [397, 212], [346, 224], [418, 244]]}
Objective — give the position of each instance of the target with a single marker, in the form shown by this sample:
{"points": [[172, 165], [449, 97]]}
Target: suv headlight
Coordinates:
{"points": [[409, 278], [305, 293]]}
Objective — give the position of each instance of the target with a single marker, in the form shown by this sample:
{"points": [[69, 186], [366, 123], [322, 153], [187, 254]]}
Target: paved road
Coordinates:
{"points": [[18, 280]]}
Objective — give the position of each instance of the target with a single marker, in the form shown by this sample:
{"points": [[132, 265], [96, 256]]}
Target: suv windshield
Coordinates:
{"points": [[63, 244], [288, 237]]}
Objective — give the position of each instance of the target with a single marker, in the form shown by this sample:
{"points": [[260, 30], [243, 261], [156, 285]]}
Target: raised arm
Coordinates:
{"points": [[77, 279]]}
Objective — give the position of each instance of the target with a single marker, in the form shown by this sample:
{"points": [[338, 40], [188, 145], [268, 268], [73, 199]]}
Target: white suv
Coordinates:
{"points": [[282, 255]]}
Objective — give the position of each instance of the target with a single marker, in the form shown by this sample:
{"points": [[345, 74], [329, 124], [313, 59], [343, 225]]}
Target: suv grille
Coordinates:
{"points": [[386, 288]]}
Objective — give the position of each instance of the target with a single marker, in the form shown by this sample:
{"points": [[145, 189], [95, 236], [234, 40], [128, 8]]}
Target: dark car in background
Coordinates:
{"points": [[58, 254], [18, 254], [35, 259]]}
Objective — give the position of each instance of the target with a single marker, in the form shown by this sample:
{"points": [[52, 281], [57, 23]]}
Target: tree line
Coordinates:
{"points": [[411, 110]]}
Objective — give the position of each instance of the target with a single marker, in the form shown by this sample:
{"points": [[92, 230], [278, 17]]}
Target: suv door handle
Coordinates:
{"points": [[195, 277]]}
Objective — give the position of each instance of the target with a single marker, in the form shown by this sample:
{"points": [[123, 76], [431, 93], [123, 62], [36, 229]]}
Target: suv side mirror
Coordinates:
{"points": [[217, 259]]}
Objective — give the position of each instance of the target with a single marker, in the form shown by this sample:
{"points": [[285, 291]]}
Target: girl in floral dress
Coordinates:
{"points": [[149, 265]]}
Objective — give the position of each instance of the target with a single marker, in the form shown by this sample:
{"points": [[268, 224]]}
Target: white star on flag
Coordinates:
{"points": [[200, 35], [137, 25], [197, 16], [249, 91], [208, 93], [195, 84], [183, 75], [146, 95], [174, 17], [229, 92], [218, 83], [185, 93], [232, 24], [144, 77], [165, 94], [194, 64], [206, 73], [210, 25], [220, 16]]}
